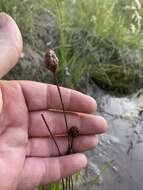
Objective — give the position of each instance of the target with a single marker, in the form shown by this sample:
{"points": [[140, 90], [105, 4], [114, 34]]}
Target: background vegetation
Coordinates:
{"points": [[95, 40]]}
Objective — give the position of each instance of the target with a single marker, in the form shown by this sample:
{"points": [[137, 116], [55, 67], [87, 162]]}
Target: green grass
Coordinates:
{"points": [[22, 11], [54, 186], [104, 168], [93, 35]]}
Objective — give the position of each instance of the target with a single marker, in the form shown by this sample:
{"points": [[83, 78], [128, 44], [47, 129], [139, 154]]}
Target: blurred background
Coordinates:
{"points": [[100, 47]]}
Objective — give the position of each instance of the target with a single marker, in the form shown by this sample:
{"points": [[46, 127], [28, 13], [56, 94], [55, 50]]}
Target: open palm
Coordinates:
{"points": [[28, 156]]}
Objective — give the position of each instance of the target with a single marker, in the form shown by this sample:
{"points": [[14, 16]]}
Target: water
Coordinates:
{"points": [[123, 144]]}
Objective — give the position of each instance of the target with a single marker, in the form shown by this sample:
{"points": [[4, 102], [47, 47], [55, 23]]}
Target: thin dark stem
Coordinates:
{"points": [[63, 108], [72, 184], [71, 151], [71, 146], [69, 179], [63, 185], [51, 133], [66, 182]]}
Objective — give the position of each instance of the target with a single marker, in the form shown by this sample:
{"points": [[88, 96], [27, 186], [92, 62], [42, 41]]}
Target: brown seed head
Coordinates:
{"points": [[51, 61], [73, 132]]}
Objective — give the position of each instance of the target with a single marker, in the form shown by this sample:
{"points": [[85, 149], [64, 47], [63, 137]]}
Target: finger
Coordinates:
{"points": [[41, 96], [86, 124], [45, 170], [10, 43], [45, 147]]}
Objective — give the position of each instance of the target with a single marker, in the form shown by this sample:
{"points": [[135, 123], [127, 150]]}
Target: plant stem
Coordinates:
{"points": [[71, 151], [59, 11], [72, 186], [63, 185], [63, 108], [69, 180], [51, 134]]}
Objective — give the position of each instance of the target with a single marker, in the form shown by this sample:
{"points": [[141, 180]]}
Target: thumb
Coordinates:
{"points": [[10, 43]]}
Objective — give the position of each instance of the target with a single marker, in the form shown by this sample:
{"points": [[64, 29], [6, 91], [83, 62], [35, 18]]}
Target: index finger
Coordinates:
{"points": [[40, 96]]}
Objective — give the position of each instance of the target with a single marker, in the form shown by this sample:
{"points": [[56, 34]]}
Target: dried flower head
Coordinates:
{"points": [[51, 61], [73, 132]]}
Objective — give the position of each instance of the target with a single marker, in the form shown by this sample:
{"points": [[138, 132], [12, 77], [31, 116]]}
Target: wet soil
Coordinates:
{"points": [[122, 144]]}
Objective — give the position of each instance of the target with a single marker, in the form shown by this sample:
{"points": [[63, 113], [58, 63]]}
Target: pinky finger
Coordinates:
{"points": [[41, 171]]}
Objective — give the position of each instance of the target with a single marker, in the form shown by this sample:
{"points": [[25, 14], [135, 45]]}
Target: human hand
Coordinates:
{"points": [[28, 156]]}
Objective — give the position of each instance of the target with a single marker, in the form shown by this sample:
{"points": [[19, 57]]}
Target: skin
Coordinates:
{"points": [[28, 156]]}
